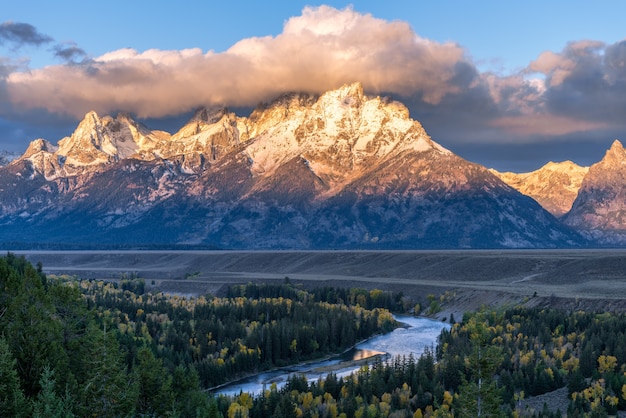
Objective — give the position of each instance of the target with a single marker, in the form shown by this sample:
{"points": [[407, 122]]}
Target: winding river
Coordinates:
{"points": [[415, 337]]}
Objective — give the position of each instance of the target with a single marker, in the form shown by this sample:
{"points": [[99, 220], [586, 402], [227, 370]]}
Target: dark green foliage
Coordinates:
{"points": [[48, 403], [29, 322], [256, 327], [189, 399], [107, 389], [137, 286], [154, 385], [368, 299], [71, 348], [480, 396], [12, 400]]}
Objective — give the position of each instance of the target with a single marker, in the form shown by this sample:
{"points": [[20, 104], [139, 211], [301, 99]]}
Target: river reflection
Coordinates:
{"points": [[419, 334], [357, 354]]}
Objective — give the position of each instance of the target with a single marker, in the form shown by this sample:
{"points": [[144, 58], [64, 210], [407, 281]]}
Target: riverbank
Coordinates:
{"points": [[350, 364], [421, 334], [328, 358]]}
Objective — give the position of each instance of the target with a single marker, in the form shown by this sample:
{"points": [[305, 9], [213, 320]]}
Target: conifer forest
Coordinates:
{"points": [[92, 348]]}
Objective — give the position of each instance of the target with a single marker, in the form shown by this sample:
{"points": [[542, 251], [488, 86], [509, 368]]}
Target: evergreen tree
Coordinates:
{"points": [[189, 400], [29, 322], [155, 395], [48, 404], [12, 400], [213, 409], [108, 390], [481, 396]]}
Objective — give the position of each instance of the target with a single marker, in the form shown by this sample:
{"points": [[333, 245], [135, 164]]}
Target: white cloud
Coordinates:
{"points": [[317, 51], [581, 88]]}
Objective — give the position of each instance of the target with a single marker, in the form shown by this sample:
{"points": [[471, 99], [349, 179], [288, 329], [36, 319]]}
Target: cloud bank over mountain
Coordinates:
{"points": [[319, 50], [579, 91]]}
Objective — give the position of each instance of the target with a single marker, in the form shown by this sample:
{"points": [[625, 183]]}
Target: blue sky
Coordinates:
{"points": [[507, 84]]}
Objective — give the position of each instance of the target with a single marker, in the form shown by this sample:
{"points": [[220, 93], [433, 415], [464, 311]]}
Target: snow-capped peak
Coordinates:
{"points": [[615, 154], [342, 169], [39, 145], [99, 140], [201, 121], [209, 115], [341, 133]]}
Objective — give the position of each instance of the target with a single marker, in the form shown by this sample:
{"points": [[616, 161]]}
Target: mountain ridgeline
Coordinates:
{"points": [[342, 170], [591, 200]]}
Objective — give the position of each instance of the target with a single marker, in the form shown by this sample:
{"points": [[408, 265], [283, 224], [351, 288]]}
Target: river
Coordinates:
{"points": [[419, 334]]}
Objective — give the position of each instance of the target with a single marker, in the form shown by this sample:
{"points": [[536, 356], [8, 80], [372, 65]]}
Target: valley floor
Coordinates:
{"points": [[466, 280]]}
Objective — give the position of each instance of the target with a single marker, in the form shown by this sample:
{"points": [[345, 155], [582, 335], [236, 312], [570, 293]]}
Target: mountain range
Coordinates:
{"points": [[341, 170]]}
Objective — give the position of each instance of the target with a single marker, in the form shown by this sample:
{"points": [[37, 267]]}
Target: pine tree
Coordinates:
{"points": [[12, 400], [108, 390], [481, 396], [155, 395], [28, 322], [48, 404], [189, 400]]}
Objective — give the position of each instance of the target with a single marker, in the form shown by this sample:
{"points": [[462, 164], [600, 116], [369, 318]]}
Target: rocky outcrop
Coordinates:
{"points": [[600, 208]]}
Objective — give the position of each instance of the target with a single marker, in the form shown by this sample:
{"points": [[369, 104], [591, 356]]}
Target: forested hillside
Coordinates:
{"points": [[92, 348], [486, 366]]}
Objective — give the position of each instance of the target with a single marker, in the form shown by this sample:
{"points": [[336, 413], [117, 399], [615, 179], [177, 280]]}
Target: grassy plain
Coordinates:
{"points": [[465, 280]]}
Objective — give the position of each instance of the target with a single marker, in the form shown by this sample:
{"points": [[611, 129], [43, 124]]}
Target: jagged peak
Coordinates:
{"points": [[38, 145], [93, 119], [208, 115], [90, 116], [566, 165], [90, 121], [617, 146], [125, 117], [102, 139], [287, 100], [351, 95], [351, 90], [615, 153], [553, 166], [201, 120]]}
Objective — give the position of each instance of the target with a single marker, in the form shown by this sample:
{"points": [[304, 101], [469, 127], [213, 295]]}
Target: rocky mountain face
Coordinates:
{"points": [[600, 207], [554, 186], [340, 170]]}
